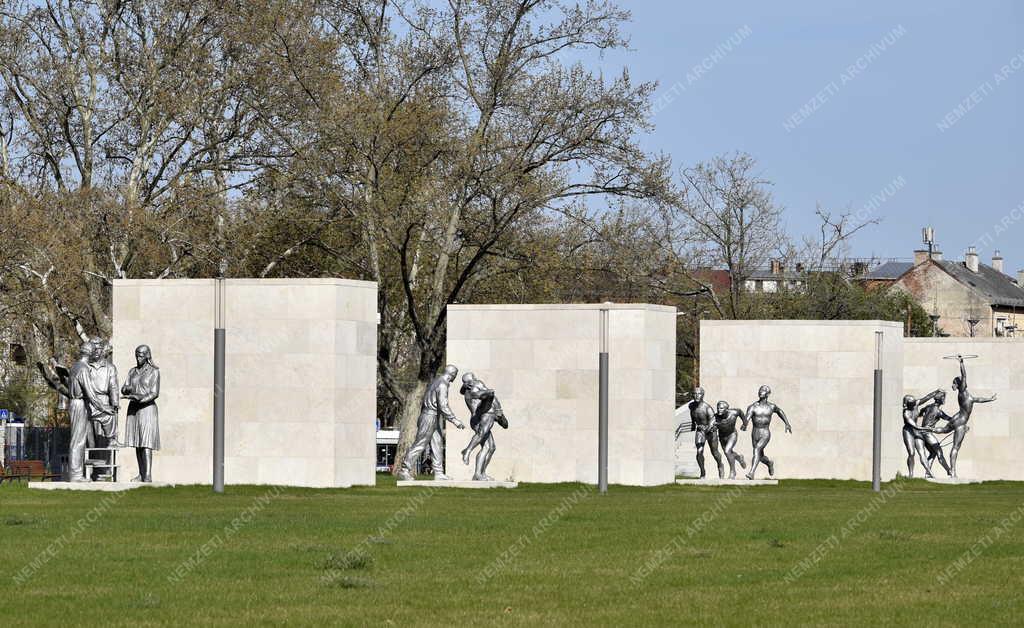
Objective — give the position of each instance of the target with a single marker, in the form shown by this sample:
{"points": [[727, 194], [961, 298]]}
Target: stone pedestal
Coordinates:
{"points": [[457, 484], [109, 487], [300, 377], [718, 482], [953, 480]]}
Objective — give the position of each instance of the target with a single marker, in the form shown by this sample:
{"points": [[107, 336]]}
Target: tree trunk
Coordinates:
{"points": [[407, 421]]}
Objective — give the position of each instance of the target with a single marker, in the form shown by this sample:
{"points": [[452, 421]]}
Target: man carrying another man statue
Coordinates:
{"points": [[485, 410]]}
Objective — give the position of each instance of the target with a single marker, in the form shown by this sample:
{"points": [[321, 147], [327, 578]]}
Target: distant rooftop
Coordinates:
{"points": [[997, 286], [889, 270]]}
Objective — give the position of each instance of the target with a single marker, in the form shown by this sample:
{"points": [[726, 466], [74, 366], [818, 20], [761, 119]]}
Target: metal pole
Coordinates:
{"points": [[602, 408], [876, 445], [218, 388]]}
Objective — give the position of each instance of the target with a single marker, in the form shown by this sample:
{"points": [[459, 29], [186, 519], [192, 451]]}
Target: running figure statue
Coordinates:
{"points": [[703, 417], [760, 412], [725, 424]]}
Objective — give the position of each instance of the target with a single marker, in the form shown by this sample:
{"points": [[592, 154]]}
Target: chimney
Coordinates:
{"points": [[937, 255], [997, 261], [920, 256], [776, 267], [1020, 278], [971, 259]]}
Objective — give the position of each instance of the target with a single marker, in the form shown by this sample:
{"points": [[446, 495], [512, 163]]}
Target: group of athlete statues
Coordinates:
{"points": [[716, 427], [484, 410], [920, 424]]}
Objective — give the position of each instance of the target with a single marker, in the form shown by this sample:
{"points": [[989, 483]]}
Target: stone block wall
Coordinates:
{"points": [[300, 376], [992, 448], [543, 362], [822, 375]]}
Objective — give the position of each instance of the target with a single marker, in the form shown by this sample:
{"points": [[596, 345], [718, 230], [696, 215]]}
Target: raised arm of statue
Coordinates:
{"points": [[963, 374], [984, 399], [921, 402], [53, 382]]}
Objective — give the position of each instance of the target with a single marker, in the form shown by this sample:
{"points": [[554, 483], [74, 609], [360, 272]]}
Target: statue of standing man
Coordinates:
{"points": [[78, 413], [104, 397], [434, 411], [760, 412]]}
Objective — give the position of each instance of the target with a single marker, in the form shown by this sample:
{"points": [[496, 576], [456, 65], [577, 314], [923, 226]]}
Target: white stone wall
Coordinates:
{"points": [[993, 447], [300, 377], [822, 375], [543, 362]]}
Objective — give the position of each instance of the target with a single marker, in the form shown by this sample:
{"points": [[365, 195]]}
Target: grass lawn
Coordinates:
{"points": [[798, 553]]}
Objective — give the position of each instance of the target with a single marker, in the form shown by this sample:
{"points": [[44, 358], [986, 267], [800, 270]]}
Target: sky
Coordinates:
{"points": [[907, 112]]}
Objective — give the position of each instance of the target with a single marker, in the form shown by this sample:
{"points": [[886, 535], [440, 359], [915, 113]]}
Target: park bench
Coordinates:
{"points": [[28, 470]]}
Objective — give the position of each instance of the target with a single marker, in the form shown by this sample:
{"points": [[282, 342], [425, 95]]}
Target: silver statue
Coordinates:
{"points": [[79, 389], [928, 446], [958, 424], [703, 417], [142, 427], [485, 410], [434, 411], [760, 412], [913, 433], [725, 425], [103, 395]]}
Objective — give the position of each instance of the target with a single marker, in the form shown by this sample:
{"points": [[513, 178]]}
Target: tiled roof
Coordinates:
{"points": [[890, 270], [998, 287]]}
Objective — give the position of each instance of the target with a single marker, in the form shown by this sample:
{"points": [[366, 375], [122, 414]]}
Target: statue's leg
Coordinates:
{"points": [[698, 441], [473, 442], [756, 456], [483, 459], [935, 447], [730, 456], [437, 454], [716, 454], [410, 466], [958, 439], [147, 455], [922, 453], [141, 460], [908, 442], [79, 439]]}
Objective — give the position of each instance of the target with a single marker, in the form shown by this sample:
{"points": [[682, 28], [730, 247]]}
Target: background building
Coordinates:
{"points": [[966, 298]]}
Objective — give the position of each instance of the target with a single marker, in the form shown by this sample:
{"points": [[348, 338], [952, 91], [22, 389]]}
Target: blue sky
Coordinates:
{"points": [[894, 119]]}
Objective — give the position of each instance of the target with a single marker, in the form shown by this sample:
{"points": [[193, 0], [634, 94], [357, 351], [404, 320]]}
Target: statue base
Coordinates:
{"points": [[953, 480], [458, 483], [110, 487], [721, 482]]}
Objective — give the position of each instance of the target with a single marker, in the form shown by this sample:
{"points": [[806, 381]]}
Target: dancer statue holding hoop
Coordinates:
{"points": [[958, 424]]}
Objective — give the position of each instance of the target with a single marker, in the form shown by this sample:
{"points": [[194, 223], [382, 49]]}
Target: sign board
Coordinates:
{"points": [[5, 415]]}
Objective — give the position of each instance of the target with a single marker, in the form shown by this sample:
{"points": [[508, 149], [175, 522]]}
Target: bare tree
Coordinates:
{"points": [[726, 217]]}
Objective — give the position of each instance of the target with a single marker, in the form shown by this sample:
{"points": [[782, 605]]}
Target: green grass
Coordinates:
{"points": [[667, 555]]}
